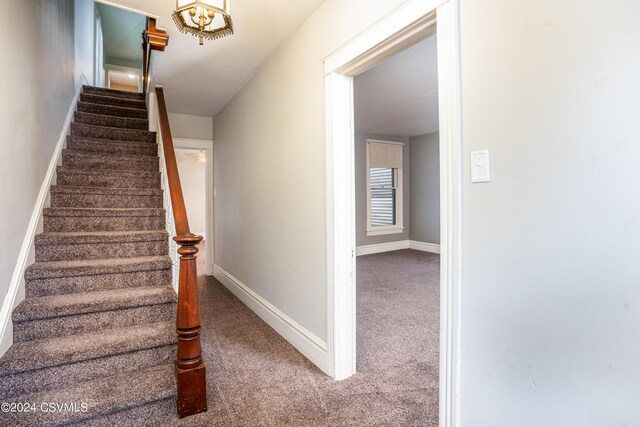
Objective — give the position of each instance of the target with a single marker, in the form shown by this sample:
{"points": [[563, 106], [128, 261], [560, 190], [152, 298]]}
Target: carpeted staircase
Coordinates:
{"points": [[97, 326]]}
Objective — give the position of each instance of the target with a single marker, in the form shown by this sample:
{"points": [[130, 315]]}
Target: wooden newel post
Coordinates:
{"points": [[190, 369]]}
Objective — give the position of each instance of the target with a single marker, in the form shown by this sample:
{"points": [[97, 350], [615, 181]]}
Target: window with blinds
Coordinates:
{"points": [[383, 196], [384, 187]]}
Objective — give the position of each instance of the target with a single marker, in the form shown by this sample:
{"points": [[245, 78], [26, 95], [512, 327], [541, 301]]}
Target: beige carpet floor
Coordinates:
{"points": [[256, 378]]}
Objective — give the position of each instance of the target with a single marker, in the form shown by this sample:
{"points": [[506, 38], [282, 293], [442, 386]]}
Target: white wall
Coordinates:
{"points": [[37, 85], [551, 298], [193, 180], [361, 171], [188, 126], [424, 199], [84, 35]]}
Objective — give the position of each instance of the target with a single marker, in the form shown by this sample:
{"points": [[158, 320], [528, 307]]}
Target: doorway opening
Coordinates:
{"points": [[195, 167], [405, 26], [397, 217], [118, 56], [192, 164]]}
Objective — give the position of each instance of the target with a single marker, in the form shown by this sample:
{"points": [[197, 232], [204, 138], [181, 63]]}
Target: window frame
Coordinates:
{"points": [[398, 227]]}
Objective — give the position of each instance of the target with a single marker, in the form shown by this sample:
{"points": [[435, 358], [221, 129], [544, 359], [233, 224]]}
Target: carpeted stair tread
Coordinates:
{"points": [[49, 352], [111, 121], [113, 92], [112, 110], [104, 397], [110, 161], [105, 132], [93, 98], [79, 177], [56, 246], [92, 267], [103, 212], [95, 145], [95, 237], [61, 170], [91, 302], [109, 141], [120, 157], [106, 191], [70, 219]]}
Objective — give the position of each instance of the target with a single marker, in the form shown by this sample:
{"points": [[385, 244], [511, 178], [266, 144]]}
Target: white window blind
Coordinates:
{"points": [[385, 155], [383, 197]]}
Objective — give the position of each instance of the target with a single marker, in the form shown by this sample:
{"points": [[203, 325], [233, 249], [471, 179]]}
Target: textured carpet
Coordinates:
{"points": [[256, 378]]}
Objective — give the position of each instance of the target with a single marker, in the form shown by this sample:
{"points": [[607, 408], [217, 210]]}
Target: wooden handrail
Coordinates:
{"points": [[146, 57], [190, 368], [153, 38]]}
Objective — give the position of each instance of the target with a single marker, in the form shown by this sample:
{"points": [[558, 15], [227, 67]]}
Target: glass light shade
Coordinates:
{"points": [[221, 6], [205, 19]]}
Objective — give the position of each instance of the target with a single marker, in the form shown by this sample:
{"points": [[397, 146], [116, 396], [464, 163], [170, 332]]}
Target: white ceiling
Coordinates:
{"points": [[122, 32], [200, 80], [400, 95]]}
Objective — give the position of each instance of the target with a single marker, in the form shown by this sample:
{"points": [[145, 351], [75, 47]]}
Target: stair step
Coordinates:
{"points": [[94, 219], [69, 277], [113, 100], [105, 132], [33, 366], [56, 269], [85, 160], [107, 178], [100, 245], [111, 121], [112, 110], [110, 146], [113, 92], [158, 413], [61, 315], [147, 394], [100, 197]]}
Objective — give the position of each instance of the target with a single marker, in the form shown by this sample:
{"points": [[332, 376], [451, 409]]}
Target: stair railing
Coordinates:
{"points": [[146, 57], [190, 367]]}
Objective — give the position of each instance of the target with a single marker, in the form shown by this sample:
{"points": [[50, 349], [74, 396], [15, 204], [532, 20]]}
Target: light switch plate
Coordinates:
{"points": [[480, 166]]}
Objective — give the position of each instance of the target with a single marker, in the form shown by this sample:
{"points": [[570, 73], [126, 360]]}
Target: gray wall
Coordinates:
{"points": [[551, 284], [361, 190], [425, 188], [37, 85], [191, 127]]}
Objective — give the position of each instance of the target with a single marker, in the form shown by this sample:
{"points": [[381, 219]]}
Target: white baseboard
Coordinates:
{"points": [[26, 256], [425, 247], [396, 246], [301, 338], [382, 247]]}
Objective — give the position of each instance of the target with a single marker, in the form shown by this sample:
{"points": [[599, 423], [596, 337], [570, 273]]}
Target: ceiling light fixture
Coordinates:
{"points": [[205, 19], [132, 76]]}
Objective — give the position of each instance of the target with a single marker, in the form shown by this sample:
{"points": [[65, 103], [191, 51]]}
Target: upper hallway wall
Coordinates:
{"points": [[191, 127]]}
